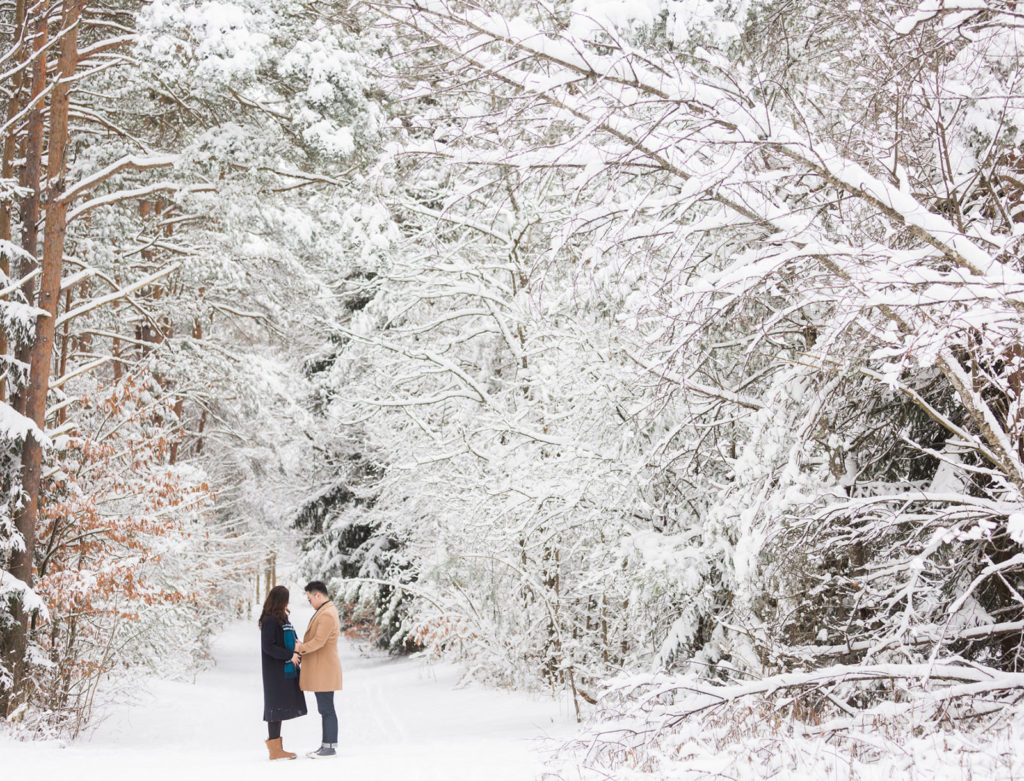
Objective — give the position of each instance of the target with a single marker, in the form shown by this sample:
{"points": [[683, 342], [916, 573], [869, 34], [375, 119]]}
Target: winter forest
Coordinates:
{"points": [[664, 356]]}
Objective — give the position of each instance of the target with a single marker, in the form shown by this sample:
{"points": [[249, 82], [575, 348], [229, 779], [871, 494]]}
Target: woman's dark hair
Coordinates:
{"points": [[276, 606]]}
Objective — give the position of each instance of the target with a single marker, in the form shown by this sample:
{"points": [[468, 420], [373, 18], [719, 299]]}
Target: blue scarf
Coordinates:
{"points": [[290, 670]]}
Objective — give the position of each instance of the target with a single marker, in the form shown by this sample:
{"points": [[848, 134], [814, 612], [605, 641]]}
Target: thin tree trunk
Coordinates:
{"points": [[116, 351], [62, 362], [7, 164], [179, 410], [31, 172], [199, 433]]}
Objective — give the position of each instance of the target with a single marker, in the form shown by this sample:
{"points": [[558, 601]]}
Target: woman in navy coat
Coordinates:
{"points": [[282, 698]]}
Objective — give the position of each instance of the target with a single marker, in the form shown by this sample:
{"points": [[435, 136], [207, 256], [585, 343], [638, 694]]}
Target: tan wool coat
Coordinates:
{"points": [[321, 668]]}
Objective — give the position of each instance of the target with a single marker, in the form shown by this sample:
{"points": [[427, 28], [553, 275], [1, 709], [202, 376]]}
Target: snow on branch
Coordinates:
{"points": [[129, 162], [88, 306], [11, 587], [140, 192], [644, 722]]}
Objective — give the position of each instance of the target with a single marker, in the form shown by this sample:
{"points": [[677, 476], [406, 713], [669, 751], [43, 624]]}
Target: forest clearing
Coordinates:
{"points": [[653, 365]]}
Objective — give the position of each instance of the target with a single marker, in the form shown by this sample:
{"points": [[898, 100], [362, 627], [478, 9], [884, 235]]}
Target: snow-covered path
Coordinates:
{"points": [[401, 720]]}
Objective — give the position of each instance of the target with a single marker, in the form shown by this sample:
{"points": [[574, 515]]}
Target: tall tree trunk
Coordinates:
{"points": [[7, 163], [31, 172], [41, 353], [16, 641]]}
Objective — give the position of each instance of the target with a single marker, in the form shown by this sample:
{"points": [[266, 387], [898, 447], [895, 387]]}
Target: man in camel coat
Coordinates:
{"points": [[320, 671]]}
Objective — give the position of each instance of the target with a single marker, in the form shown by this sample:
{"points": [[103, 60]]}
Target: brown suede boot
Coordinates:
{"points": [[277, 750]]}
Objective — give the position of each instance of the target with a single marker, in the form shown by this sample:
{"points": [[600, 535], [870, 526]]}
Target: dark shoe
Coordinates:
{"points": [[325, 750]]}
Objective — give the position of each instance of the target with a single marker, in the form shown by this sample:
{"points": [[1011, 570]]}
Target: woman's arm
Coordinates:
{"points": [[268, 640]]}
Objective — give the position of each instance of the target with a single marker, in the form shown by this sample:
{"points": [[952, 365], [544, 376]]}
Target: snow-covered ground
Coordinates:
{"points": [[401, 720], [407, 720]]}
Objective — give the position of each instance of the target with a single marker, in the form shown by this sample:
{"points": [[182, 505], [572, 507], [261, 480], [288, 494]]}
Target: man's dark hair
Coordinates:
{"points": [[318, 586]]}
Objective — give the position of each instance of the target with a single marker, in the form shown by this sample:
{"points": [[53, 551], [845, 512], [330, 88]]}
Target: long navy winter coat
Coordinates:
{"points": [[282, 698]]}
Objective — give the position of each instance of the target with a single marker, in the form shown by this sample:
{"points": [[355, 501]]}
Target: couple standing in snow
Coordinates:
{"points": [[291, 667]]}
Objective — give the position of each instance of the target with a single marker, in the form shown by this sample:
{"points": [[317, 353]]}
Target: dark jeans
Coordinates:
{"points": [[325, 706]]}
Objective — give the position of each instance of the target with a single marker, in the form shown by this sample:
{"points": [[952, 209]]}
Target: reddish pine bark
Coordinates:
{"points": [[48, 298]]}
